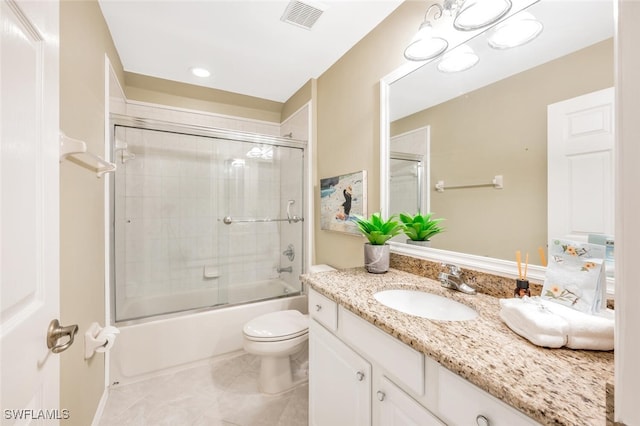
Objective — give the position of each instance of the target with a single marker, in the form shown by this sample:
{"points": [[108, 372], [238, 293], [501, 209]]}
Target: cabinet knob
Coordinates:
{"points": [[318, 308], [482, 420], [360, 376], [381, 395]]}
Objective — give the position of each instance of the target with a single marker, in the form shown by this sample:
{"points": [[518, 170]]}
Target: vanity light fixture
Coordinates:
{"points": [[468, 15], [424, 45], [200, 72], [475, 14], [459, 59], [515, 31]]}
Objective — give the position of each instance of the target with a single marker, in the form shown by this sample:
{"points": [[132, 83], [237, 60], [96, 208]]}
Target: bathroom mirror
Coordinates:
{"points": [[491, 121]]}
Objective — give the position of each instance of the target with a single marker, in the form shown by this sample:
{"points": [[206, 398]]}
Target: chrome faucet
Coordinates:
{"points": [[287, 269], [453, 279]]}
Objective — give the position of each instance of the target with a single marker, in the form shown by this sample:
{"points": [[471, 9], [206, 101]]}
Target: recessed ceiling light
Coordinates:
{"points": [[200, 72]]}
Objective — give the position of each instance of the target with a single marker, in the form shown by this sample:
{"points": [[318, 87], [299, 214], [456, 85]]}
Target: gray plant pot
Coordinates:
{"points": [[376, 258], [425, 243]]}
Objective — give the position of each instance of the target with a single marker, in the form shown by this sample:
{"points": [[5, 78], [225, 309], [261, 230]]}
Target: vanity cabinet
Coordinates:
{"points": [[347, 382], [360, 375]]}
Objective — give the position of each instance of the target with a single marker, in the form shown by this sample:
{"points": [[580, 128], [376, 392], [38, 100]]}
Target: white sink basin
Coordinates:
{"points": [[425, 305]]}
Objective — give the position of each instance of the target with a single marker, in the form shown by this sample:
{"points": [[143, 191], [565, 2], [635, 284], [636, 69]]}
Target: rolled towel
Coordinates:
{"points": [[535, 323]]}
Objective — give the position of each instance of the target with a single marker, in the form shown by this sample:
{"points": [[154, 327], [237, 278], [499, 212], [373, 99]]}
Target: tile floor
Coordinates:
{"points": [[222, 393]]}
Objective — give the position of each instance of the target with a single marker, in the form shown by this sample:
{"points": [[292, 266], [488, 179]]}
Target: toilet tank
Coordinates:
{"points": [[320, 268]]}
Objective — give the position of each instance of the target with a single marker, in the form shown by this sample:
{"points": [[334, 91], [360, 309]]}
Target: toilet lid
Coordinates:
{"points": [[277, 326]]}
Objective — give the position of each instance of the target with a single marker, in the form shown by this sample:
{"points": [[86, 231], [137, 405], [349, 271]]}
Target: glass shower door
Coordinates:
{"points": [[260, 222], [201, 221], [406, 186]]}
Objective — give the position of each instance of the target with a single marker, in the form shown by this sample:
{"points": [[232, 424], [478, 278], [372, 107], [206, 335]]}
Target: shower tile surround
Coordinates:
{"points": [[553, 386]]}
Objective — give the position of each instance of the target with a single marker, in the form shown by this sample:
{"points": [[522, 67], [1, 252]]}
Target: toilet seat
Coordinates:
{"points": [[277, 326]]}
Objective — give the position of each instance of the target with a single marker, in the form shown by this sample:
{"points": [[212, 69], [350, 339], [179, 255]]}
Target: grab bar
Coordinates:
{"points": [[228, 220]]}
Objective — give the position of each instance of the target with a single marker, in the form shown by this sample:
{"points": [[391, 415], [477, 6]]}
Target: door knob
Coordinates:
{"points": [[56, 332]]}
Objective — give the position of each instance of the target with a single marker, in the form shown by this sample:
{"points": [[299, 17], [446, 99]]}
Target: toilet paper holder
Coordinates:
{"points": [[99, 339]]}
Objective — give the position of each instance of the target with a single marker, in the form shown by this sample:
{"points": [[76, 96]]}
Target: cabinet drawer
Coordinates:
{"points": [[323, 310], [398, 359], [461, 402]]}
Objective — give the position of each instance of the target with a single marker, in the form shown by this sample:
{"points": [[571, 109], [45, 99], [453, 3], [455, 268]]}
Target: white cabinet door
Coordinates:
{"points": [[580, 166], [339, 382], [399, 409]]}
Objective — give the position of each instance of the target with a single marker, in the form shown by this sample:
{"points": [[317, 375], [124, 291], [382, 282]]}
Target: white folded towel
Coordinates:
{"points": [[536, 324], [552, 325], [586, 331]]}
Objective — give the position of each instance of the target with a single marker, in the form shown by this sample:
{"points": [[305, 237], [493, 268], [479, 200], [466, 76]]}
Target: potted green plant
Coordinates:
{"points": [[378, 232], [420, 228]]}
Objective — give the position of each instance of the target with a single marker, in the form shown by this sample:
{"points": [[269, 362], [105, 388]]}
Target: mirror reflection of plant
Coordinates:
{"points": [[377, 230], [420, 227]]}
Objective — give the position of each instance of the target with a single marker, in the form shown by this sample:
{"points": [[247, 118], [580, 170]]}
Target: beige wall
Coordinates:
{"points": [[348, 134], [84, 40], [298, 99], [502, 129], [181, 95]]}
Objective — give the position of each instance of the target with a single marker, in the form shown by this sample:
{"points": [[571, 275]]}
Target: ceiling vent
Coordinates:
{"points": [[301, 14]]}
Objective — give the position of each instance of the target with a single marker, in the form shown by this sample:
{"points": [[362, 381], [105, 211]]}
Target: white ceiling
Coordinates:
{"points": [[244, 44]]}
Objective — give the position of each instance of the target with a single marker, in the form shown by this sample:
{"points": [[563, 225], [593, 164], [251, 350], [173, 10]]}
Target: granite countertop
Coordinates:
{"points": [[552, 386]]}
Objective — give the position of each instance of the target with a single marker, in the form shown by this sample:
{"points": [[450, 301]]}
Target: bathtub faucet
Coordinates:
{"points": [[287, 269]]}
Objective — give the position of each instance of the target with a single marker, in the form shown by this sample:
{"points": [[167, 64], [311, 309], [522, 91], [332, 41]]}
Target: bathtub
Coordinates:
{"points": [[143, 307], [155, 346]]}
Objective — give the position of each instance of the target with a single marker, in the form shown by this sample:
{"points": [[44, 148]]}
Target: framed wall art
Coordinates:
{"points": [[341, 198]]}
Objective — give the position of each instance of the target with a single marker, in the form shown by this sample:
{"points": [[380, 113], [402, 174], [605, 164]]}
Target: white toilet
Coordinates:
{"points": [[275, 337]]}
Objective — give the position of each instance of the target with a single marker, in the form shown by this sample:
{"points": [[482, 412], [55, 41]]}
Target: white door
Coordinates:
{"points": [[581, 166], [339, 382], [29, 212]]}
